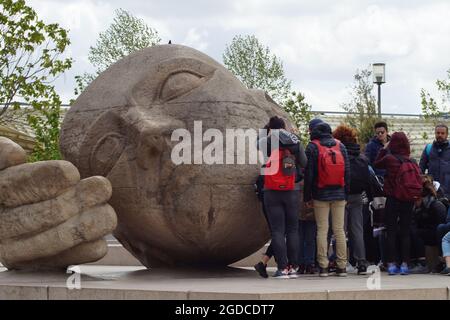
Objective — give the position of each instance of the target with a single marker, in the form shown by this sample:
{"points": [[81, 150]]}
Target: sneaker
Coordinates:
{"points": [[310, 269], [439, 267], [261, 269], [404, 269], [301, 269], [445, 271], [323, 272], [362, 268], [341, 272], [281, 274], [419, 269], [332, 267], [293, 272], [393, 269]]}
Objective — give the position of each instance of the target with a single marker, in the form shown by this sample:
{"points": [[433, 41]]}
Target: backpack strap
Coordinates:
{"points": [[428, 150]]}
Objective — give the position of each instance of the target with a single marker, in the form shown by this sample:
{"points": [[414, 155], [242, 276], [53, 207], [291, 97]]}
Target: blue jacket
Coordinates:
{"points": [[322, 132], [438, 164], [371, 152]]}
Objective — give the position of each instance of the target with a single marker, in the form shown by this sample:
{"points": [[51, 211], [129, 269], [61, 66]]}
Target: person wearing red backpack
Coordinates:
{"points": [[282, 196], [326, 187], [402, 187]]}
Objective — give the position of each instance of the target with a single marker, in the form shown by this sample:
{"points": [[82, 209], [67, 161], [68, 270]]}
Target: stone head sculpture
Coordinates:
{"points": [[121, 127]]}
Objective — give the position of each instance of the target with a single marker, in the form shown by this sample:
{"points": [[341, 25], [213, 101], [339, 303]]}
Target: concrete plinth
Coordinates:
{"points": [[111, 282]]}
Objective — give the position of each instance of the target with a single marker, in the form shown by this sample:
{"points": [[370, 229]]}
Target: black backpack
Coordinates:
{"points": [[359, 174]]}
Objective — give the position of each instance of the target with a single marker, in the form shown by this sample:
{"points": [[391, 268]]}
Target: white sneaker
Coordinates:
{"points": [[293, 273], [281, 274]]}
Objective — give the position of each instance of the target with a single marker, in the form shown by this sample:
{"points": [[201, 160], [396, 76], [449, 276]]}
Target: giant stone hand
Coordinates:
{"points": [[49, 218]]}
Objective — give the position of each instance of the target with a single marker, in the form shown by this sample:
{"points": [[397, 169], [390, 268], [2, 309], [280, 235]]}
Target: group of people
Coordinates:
{"points": [[373, 207]]}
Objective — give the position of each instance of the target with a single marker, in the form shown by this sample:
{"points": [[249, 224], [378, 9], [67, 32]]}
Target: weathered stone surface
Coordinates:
{"points": [[120, 127], [92, 224], [49, 218], [11, 153], [83, 253], [34, 182], [37, 217]]}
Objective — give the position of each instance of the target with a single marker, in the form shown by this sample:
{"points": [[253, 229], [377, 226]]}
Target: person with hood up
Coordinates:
{"points": [[398, 213], [326, 187], [282, 206]]}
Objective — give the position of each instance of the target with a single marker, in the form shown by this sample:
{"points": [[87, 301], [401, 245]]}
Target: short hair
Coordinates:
{"points": [[345, 134], [276, 123], [441, 125], [381, 124]]}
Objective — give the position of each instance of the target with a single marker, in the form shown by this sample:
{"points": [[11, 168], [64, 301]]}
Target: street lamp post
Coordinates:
{"points": [[379, 78]]}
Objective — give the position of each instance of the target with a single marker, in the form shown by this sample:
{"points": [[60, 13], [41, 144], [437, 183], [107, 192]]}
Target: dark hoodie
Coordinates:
{"points": [[398, 146], [290, 141], [322, 132], [359, 169]]}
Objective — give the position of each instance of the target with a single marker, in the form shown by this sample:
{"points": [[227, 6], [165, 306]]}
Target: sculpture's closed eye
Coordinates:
{"points": [[180, 83]]}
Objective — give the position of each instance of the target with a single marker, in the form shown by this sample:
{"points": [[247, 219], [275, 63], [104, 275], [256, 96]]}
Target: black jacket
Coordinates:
{"points": [[359, 169], [438, 164], [430, 214], [322, 132], [372, 149]]}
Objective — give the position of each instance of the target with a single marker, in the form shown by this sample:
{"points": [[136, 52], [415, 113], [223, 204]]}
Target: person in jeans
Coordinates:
{"points": [[325, 198], [307, 228], [282, 206], [261, 266], [307, 231], [446, 253], [359, 182], [398, 213]]}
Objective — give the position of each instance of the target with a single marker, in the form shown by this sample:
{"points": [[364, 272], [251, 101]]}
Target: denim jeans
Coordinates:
{"points": [[282, 211], [354, 217], [446, 245], [307, 231]]}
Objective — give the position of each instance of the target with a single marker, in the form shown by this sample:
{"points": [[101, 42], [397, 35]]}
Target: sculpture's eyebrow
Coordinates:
{"points": [[148, 89]]}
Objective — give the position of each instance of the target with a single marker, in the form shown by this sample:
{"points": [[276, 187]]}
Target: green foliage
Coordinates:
{"points": [[431, 110], [30, 60], [46, 126], [256, 67], [300, 113], [29, 55], [424, 135], [125, 35], [362, 107]]}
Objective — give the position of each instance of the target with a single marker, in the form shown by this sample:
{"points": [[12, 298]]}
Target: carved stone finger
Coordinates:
{"points": [[11, 153], [83, 253], [38, 217], [34, 182], [92, 224]]}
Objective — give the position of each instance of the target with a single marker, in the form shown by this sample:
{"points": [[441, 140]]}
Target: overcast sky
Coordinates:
{"points": [[320, 42]]}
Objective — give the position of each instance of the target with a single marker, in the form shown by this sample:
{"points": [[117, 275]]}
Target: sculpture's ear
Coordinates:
{"points": [[102, 145]]}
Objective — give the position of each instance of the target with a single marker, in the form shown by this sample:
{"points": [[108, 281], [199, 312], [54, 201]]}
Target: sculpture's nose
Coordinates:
{"points": [[153, 140]]}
